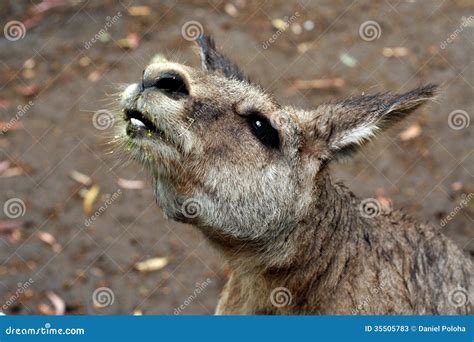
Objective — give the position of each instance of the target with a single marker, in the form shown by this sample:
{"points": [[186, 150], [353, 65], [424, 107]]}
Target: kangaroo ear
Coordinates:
{"points": [[348, 124], [214, 60]]}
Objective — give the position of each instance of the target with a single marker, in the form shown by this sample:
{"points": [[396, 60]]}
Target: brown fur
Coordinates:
{"points": [[270, 207]]}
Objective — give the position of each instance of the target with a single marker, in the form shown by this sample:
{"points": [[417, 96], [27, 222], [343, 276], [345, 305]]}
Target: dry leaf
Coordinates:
{"points": [[150, 265], [13, 171], [4, 165], [395, 52], [457, 186], [322, 83], [5, 104], [410, 133], [132, 41], [303, 47], [80, 177], [45, 309], [7, 227], [28, 91], [139, 11], [10, 126], [58, 303], [8, 170], [130, 184], [97, 272], [347, 60], [12, 231], [89, 199], [385, 202], [49, 239], [280, 24], [46, 5], [94, 76], [231, 10], [14, 237]]}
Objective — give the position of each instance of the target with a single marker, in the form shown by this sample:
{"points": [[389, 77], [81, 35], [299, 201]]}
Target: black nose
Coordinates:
{"points": [[169, 83]]}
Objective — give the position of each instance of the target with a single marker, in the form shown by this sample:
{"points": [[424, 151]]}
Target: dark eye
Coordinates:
{"points": [[264, 131]]}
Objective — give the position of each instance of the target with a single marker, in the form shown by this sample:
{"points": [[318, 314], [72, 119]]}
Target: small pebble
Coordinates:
{"points": [[308, 25]]}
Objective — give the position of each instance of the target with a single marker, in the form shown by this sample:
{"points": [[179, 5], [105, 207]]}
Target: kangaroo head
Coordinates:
{"points": [[227, 157]]}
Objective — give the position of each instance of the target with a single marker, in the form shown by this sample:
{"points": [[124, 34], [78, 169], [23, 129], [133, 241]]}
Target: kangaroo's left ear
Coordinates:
{"points": [[214, 60], [350, 123]]}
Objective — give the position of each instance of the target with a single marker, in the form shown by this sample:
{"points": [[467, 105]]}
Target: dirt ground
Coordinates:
{"points": [[49, 255]]}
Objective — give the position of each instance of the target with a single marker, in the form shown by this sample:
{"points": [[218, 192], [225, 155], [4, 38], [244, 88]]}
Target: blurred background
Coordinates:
{"points": [[80, 232]]}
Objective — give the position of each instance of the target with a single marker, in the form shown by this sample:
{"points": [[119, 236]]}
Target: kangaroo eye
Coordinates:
{"points": [[263, 130], [257, 124]]}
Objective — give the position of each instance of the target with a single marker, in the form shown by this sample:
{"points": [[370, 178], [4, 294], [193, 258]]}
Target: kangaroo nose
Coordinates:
{"points": [[168, 82]]}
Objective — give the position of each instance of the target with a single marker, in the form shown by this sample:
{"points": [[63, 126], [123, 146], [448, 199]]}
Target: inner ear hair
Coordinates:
{"points": [[354, 121]]}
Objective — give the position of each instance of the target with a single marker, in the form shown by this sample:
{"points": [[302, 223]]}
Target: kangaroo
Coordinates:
{"points": [[254, 177]]}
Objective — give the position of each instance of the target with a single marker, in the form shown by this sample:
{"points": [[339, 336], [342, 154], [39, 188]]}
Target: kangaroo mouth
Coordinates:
{"points": [[139, 126]]}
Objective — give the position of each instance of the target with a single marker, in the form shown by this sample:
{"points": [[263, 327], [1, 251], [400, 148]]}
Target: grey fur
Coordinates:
{"points": [[275, 214]]}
